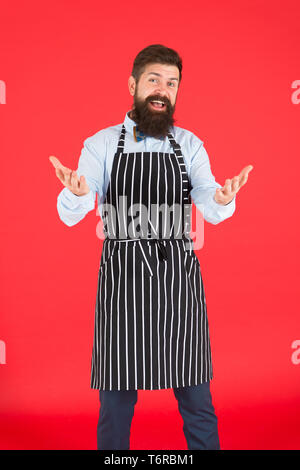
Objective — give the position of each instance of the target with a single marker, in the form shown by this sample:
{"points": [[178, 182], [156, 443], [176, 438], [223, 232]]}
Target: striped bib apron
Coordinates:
{"points": [[151, 328]]}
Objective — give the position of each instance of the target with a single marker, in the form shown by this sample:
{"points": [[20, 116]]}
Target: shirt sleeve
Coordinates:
{"points": [[204, 187], [71, 208]]}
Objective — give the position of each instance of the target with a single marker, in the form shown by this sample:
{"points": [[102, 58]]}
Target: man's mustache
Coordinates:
{"points": [[157, 98]]}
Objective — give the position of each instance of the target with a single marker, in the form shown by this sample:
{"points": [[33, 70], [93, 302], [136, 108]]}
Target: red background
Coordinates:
{"points": [[66, 66]]}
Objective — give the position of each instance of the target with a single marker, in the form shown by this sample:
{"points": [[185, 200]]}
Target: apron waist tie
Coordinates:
{"points": [[159, 242], [145, 254]]}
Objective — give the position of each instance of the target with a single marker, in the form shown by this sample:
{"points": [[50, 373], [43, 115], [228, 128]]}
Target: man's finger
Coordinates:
{"points": [[244, 180], [235, 184], [245, 172], [82, 181], [57, 164], [227, 186], [67, 176], [59, 174], [74, 180]]}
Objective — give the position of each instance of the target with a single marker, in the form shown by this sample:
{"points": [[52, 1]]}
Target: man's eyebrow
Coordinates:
{"points": [[159, 75]]}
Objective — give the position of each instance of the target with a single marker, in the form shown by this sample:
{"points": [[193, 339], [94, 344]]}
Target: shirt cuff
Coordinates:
{"points": [[84, 200], [222, 208]]}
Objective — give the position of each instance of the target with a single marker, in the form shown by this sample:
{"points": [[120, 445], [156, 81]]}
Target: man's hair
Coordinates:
{"points": [[155, 54]]}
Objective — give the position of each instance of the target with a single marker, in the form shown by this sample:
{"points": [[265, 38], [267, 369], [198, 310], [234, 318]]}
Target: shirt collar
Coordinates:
{"points": [[131, 126]]}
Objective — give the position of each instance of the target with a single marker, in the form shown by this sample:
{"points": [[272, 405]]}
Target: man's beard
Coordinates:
{"points": [[151, 122]]}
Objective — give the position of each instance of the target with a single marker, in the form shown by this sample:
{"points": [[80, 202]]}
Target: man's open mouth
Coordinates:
{"points": [[156, 104]]}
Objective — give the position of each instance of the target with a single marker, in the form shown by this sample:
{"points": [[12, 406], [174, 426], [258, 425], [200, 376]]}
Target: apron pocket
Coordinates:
{"points": [[190, 260], [106, 255]]}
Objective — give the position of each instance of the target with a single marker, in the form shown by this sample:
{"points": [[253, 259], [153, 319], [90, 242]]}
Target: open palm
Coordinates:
{"points": [[70, 178], [225, 194]]}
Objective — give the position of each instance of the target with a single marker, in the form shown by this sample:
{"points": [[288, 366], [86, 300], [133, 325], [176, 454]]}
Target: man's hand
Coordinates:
{"points": [[69, 178], [226, 194]]}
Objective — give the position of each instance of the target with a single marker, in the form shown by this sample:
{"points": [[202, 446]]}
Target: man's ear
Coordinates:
{"points": [[131, 85]]}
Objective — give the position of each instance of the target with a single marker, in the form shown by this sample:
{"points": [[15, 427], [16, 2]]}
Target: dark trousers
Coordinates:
{"points": [[195, 406]]}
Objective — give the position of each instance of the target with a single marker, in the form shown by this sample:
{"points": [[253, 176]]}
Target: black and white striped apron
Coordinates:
{"points": [[151, 329]]}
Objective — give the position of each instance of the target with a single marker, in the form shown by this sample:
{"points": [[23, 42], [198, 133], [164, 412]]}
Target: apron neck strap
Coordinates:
{"points": [[176, 147]]}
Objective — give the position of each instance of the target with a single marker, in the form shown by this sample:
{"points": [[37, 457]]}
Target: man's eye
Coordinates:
{"points": [[170, 83]]}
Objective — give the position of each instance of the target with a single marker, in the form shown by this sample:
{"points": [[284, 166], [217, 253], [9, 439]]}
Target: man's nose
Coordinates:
{"points": [[162, 90]]}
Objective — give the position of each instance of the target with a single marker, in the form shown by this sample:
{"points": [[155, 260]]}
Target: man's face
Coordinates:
{"points": [[155, 98]]}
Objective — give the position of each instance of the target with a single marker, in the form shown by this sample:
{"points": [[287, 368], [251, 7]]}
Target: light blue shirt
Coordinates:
{"points": [[96, 159]]}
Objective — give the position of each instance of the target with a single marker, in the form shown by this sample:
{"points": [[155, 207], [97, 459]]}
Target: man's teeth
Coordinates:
{"points": [[161, 102]]}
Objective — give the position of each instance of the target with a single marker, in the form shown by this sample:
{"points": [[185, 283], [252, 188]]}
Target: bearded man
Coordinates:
{"points": [[151, 328]]}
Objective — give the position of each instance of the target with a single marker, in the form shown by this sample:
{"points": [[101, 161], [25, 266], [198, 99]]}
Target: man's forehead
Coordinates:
{"points": [[170, 71]]}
